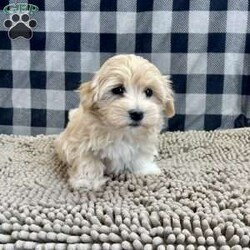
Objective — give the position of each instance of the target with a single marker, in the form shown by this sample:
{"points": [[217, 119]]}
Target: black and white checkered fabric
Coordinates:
{"points": [[204, 45]]}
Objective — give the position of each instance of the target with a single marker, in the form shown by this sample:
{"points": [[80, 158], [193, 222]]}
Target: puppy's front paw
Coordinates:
{"points": [[88, 185], [148, 168]]}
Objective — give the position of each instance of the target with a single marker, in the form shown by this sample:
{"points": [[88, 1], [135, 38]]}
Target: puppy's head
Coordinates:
{"points": [[128, 91]]}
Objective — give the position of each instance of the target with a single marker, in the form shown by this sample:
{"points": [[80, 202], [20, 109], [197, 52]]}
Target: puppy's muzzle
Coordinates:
{"points": [[136, 116]]}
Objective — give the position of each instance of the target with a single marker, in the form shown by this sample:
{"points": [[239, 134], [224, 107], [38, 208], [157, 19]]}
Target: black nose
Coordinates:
{"points": [[136, 115]]}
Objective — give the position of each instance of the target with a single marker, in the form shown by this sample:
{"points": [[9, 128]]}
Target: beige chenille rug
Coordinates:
{"points": [[201, 200]]}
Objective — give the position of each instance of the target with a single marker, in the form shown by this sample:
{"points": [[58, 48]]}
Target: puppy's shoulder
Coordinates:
{"points": [[73, 113]]}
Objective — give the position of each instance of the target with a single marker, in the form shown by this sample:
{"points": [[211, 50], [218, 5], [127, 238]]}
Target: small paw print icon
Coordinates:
{"points": [[20, 26]]}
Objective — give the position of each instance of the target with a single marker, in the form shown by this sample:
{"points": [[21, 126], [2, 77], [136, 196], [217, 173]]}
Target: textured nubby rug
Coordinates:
{"points": [[200, 201]]}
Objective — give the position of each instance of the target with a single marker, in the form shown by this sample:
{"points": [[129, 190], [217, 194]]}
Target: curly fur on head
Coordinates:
{"points": [[116, 125]]}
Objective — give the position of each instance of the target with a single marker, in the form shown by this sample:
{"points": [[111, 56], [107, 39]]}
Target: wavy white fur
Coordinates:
{"points": [[99, 138]]}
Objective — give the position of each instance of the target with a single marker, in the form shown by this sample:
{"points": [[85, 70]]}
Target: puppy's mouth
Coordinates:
{"points": [[135, 124]]}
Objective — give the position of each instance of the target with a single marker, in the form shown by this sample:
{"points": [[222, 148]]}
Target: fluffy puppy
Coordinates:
{"points": [[116, 125]]}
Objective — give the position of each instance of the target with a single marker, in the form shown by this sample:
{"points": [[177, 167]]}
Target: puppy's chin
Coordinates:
{"points": [[132, 127]]}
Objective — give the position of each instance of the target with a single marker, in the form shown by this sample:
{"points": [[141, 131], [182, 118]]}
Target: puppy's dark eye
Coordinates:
{"points": [[118, 90], [148, 92]]}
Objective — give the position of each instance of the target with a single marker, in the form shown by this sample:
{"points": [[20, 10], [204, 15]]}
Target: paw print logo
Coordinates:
{"points": [[20, 26]]}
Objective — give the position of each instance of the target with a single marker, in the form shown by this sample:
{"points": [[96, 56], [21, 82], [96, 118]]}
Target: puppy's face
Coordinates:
{"points": [[128, 92]]}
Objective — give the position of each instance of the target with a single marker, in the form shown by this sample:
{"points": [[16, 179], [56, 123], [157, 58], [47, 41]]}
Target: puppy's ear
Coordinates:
{"points": [[170, 109], [86, 94], [169, 105]]}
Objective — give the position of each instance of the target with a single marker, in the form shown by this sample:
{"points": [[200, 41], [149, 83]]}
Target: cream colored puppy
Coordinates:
{"points": [[117, 123]]}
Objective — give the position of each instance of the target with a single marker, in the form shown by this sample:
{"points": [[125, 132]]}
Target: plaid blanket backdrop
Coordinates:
{"points": [[204, 45]]}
